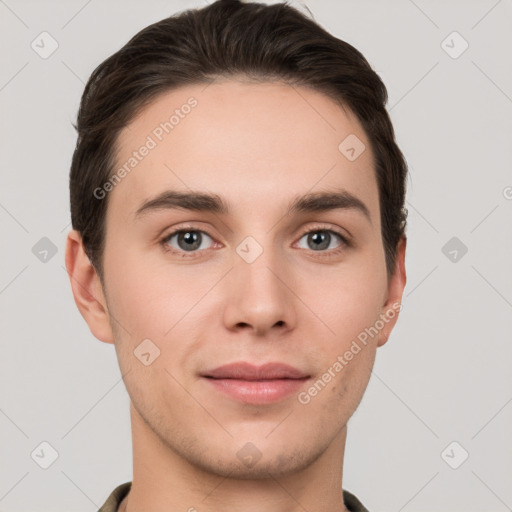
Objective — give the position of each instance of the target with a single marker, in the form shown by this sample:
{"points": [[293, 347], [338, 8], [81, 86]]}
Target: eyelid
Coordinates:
{"points": [[327, 227], [163, 240], [346, 239]]}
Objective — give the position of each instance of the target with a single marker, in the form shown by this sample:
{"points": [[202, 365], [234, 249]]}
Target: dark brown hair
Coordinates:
{"points": [[227, 38]]}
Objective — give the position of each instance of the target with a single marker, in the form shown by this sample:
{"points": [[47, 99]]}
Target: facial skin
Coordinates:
{"points": [[258, 146]]}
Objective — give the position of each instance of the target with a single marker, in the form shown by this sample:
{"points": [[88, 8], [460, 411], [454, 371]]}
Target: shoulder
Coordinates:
{"points": [[352, 502], [115, 498]]}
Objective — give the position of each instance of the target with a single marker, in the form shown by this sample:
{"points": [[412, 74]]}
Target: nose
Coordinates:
{"points": [[259, 296]]}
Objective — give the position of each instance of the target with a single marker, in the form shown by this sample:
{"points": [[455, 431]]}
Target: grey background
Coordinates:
{"points": [[444, 375]]}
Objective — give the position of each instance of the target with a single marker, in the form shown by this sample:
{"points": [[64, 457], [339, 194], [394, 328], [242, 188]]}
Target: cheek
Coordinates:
{"points": [[347, 302], [150, 297], [134, 298]]}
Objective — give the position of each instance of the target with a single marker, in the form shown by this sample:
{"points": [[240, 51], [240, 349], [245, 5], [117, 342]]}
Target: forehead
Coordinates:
{"points": [[256, 143]]}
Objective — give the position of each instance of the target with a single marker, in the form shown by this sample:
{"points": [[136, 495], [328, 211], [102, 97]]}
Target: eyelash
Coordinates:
{"points": [[193, 254]]}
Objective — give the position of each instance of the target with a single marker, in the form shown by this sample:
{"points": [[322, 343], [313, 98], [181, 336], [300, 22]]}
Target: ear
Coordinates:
{"points": [[87, 289], [396, 285]]}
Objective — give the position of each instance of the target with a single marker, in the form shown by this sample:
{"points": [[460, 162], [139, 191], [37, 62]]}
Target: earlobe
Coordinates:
{"points": [[86, 288], [396, 285]]}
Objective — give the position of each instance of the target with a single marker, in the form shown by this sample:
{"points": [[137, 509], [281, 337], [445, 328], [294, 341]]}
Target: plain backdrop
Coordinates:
{"points": [[441, 389]]}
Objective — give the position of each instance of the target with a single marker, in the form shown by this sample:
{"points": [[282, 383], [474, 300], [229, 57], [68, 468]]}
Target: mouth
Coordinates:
{"points": [[251, 384]]}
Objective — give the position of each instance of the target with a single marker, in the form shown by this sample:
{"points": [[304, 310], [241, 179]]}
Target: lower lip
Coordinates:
{"points": [[258, 392]]}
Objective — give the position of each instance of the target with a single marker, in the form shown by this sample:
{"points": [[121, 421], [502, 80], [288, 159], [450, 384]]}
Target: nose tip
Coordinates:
{"points": [[259, 300], [279, 323]]}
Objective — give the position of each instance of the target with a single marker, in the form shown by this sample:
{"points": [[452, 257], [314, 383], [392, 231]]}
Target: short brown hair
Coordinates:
{"points": [[227, 38]]}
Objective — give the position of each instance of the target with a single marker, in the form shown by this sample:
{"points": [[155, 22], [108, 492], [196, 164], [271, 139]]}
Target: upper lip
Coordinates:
{"points": [[247, 371]]}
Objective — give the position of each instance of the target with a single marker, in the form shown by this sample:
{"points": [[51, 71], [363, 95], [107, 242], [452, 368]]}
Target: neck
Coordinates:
{"points": [[165, 480]]}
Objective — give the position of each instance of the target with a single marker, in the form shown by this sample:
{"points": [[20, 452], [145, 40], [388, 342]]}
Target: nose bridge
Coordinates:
{"points": [[258, 262], [258, 294], [260, 275]]}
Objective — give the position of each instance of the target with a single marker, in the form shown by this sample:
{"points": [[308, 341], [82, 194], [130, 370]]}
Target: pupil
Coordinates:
{"points": [[320, 238], [190, 239]]}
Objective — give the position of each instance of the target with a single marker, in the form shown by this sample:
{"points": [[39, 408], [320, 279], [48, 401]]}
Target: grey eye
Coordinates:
{"points": [[188, 240]]}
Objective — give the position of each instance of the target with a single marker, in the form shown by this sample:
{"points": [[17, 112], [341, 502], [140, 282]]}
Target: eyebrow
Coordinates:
{"points": [[206, 202]]}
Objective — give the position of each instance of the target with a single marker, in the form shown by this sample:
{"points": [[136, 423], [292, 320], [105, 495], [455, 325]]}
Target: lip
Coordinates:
{"points": [[247, 371], [256, 384]]}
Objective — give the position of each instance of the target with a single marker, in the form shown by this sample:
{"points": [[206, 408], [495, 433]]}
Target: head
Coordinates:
{"points": [[272, 122]]}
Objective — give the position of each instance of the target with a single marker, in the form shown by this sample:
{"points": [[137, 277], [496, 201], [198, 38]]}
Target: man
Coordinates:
{"points": [[239, 236]]}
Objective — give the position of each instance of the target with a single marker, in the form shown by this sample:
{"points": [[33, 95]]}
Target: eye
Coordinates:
{"points": [[186, 240], [320, 239]]}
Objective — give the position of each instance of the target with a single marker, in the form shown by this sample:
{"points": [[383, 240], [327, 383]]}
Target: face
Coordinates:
{"points": [[256, 281]]}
